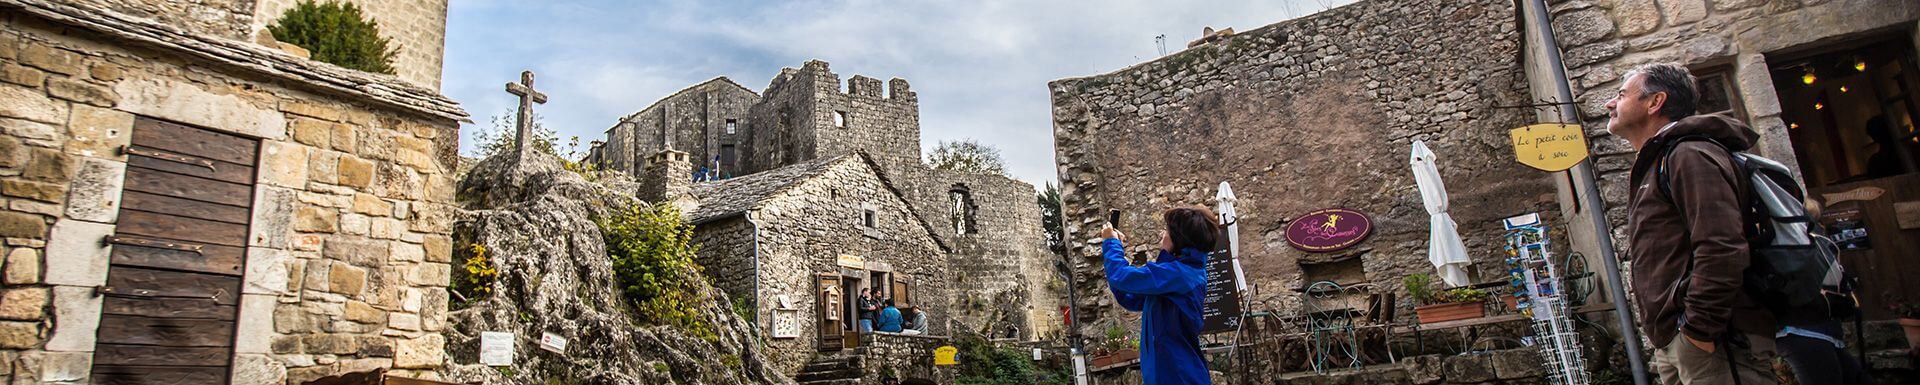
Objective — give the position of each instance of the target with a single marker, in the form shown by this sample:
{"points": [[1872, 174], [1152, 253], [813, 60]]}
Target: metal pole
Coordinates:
{"points": [[1077, 346], [1585, 190]]}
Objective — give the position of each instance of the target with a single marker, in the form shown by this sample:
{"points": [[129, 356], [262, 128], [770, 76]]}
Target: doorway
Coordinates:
{"points": [[1850, 111]]}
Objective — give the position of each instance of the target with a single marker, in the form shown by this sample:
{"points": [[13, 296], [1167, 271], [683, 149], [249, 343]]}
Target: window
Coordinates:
{"points": [[869, 218], [730, 126], [1717, 95], [840, 119], [961, 213]]}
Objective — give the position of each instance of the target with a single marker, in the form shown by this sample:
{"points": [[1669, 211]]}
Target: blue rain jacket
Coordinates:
{"points": [[1167, 292], [889, 320]]}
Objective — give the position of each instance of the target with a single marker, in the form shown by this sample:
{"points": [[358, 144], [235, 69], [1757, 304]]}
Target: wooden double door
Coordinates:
{"points": [[178, 250]]}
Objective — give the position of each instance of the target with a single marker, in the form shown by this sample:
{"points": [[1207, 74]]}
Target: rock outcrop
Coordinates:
{"points": [[536, 221]]}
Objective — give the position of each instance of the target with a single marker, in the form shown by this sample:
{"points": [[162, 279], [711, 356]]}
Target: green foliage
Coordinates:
{"points": [[1050, 220], [981, 363], [474, 281], [662, 367], [1116, 339], [967, 156], [336, 33], [744, 308], [1420, 286], [498, 138], [652, 250]]}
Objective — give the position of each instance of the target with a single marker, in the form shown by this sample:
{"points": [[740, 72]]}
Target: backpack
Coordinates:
{"points": [[1793, 267]]}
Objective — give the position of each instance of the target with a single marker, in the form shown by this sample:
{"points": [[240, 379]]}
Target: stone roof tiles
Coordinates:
{"points": [[386, 90], [731, 197]]}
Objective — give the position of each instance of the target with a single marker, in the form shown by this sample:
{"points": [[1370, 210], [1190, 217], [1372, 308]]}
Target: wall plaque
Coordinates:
{"points": [[1550, 146], [1328, 230]]}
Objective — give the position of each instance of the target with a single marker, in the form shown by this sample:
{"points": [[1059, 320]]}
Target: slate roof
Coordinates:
{"points": [[380, 89], [732, 197]]}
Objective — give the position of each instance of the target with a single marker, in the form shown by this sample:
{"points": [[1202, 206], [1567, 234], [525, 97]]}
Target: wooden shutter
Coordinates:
{"points": [[900, 293], [827, 298], [173, 281]]}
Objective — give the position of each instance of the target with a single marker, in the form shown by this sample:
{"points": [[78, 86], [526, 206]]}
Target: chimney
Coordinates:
{"points": [[668, 179]]}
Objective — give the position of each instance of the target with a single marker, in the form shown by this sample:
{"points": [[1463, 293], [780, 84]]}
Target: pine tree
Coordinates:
{"points": [[336, 33]]}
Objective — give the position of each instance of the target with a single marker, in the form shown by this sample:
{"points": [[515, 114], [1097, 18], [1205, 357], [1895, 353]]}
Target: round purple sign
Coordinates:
{"points": [[1328, 230]]}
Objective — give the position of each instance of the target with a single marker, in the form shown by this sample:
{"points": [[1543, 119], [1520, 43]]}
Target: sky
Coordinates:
{"points": [[980, 67]]}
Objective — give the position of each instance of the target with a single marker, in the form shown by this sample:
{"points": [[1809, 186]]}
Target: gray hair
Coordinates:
{"points": [[1682, 95]]}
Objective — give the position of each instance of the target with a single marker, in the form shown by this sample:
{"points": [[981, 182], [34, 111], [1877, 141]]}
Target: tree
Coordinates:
{"points": [[336, 33], [1050, 220], [499, 138], [967, 155]]}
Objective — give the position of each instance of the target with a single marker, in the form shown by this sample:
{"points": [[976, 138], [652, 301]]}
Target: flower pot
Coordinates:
{"points": [[1912, 327], [1513, 303], [1102, 361], [1450, 312], [1123, 356]]}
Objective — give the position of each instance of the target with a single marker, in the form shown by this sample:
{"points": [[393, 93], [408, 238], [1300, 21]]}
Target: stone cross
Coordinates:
{"points": [[523, 126]]}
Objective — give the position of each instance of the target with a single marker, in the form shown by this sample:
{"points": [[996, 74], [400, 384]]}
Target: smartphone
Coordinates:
{"points": [[1113, 218]]}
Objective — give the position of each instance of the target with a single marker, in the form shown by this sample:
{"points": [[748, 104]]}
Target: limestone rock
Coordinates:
{"points": [[1636, 16], [536, 221], [1582, 27]]}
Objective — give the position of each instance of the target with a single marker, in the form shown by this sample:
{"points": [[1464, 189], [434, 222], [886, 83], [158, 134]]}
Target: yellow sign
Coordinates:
{"points": [[1550, 146], [946, 355], [853, 261]]}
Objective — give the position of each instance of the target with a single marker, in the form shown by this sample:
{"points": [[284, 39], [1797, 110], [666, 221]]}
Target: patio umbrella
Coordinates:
{"points": [[1444, 248], [1231, 219]]}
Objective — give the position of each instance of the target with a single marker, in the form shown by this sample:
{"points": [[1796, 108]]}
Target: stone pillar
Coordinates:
{"points": [[668, 177]]}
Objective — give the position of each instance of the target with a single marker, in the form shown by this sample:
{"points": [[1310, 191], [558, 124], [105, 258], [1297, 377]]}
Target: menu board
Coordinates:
{"points": [[1220, 308]]}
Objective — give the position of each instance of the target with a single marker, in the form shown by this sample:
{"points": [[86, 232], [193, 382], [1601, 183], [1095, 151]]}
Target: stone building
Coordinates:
{"points": [[990, 223], [1319, 112], [183, 205], [804, 239]]}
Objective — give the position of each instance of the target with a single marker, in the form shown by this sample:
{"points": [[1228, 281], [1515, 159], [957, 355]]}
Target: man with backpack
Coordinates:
{"points": [[1687, 233]]}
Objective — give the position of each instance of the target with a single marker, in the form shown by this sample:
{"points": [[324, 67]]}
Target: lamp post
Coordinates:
{"points": [[1077, 345]]}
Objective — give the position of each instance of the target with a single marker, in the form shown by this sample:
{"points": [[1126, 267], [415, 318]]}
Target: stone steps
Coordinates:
{"points": [[833, 370]]}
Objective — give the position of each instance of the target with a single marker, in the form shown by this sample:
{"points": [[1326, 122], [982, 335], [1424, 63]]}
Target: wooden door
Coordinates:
{"points": [[827, 297], [1886, 266], [901, 295], [173, 283]]}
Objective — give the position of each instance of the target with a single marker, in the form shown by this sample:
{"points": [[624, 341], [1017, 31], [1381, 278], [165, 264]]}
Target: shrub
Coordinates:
{"points": [[474, 281], [652, 251], [336, 33]]}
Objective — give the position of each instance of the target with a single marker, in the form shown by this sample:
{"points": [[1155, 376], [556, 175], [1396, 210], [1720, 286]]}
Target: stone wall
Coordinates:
{"points": [[726, 255], [904, 358], [1602, 39], [418, 29], [805, 229], [1309, 113], [346, 265], [1001, 264]]}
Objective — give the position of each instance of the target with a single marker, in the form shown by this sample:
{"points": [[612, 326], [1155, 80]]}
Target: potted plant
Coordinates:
{"points": [[1909, 314], [1118, 347], [1446, 305]]}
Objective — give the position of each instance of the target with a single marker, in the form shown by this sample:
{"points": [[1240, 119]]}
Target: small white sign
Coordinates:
{"points": [[496, 348], [553, 342], [1036, 354]]}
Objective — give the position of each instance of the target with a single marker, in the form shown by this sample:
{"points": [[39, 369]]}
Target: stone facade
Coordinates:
{"points": [[345, 267], [1602, 39], [697, 120], [1309, 113], [786, 226], [806, 114], [418, 29]]}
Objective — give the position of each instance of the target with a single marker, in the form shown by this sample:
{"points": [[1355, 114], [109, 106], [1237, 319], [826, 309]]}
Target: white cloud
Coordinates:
{"points": [[980, 67]]}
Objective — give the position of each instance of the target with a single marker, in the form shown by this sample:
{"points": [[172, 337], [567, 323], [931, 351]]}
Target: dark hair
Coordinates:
{"points": [[1683, 96], [1192, 227], [889, 302], [1878, 130]]}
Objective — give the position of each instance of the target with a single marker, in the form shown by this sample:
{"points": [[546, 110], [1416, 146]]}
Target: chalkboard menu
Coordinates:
{"points": [[1220, 308]]}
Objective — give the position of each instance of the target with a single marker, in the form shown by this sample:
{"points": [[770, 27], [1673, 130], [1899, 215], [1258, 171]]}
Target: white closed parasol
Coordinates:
{"points": [[1231, 219], [1444, 248]]}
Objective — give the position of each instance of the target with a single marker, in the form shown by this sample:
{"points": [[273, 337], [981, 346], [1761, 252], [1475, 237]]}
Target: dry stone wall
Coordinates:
{"points": [[1309, 113], [346, 264], [1001, 265]]}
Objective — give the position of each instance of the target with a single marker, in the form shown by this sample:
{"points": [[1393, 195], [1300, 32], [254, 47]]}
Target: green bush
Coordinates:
{"points": [[474, 281], [336, 33], [652, 250]]}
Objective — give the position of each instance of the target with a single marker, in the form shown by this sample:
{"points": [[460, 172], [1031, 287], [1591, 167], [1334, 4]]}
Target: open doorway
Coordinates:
{"points": [[1850, 110]]}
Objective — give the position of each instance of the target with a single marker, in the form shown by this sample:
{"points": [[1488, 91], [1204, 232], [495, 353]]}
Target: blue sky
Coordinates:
{"points": [[979, 67]]}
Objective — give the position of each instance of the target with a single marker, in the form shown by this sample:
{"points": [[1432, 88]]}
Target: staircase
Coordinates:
{"points": [[836, 369]]}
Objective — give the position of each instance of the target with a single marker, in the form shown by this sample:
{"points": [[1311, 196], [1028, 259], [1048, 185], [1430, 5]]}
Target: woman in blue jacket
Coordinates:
{"points": [[1167, 293]]}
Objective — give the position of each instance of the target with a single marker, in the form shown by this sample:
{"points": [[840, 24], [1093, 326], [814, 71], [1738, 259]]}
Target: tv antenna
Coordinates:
{"points": [[1161, 41]]}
